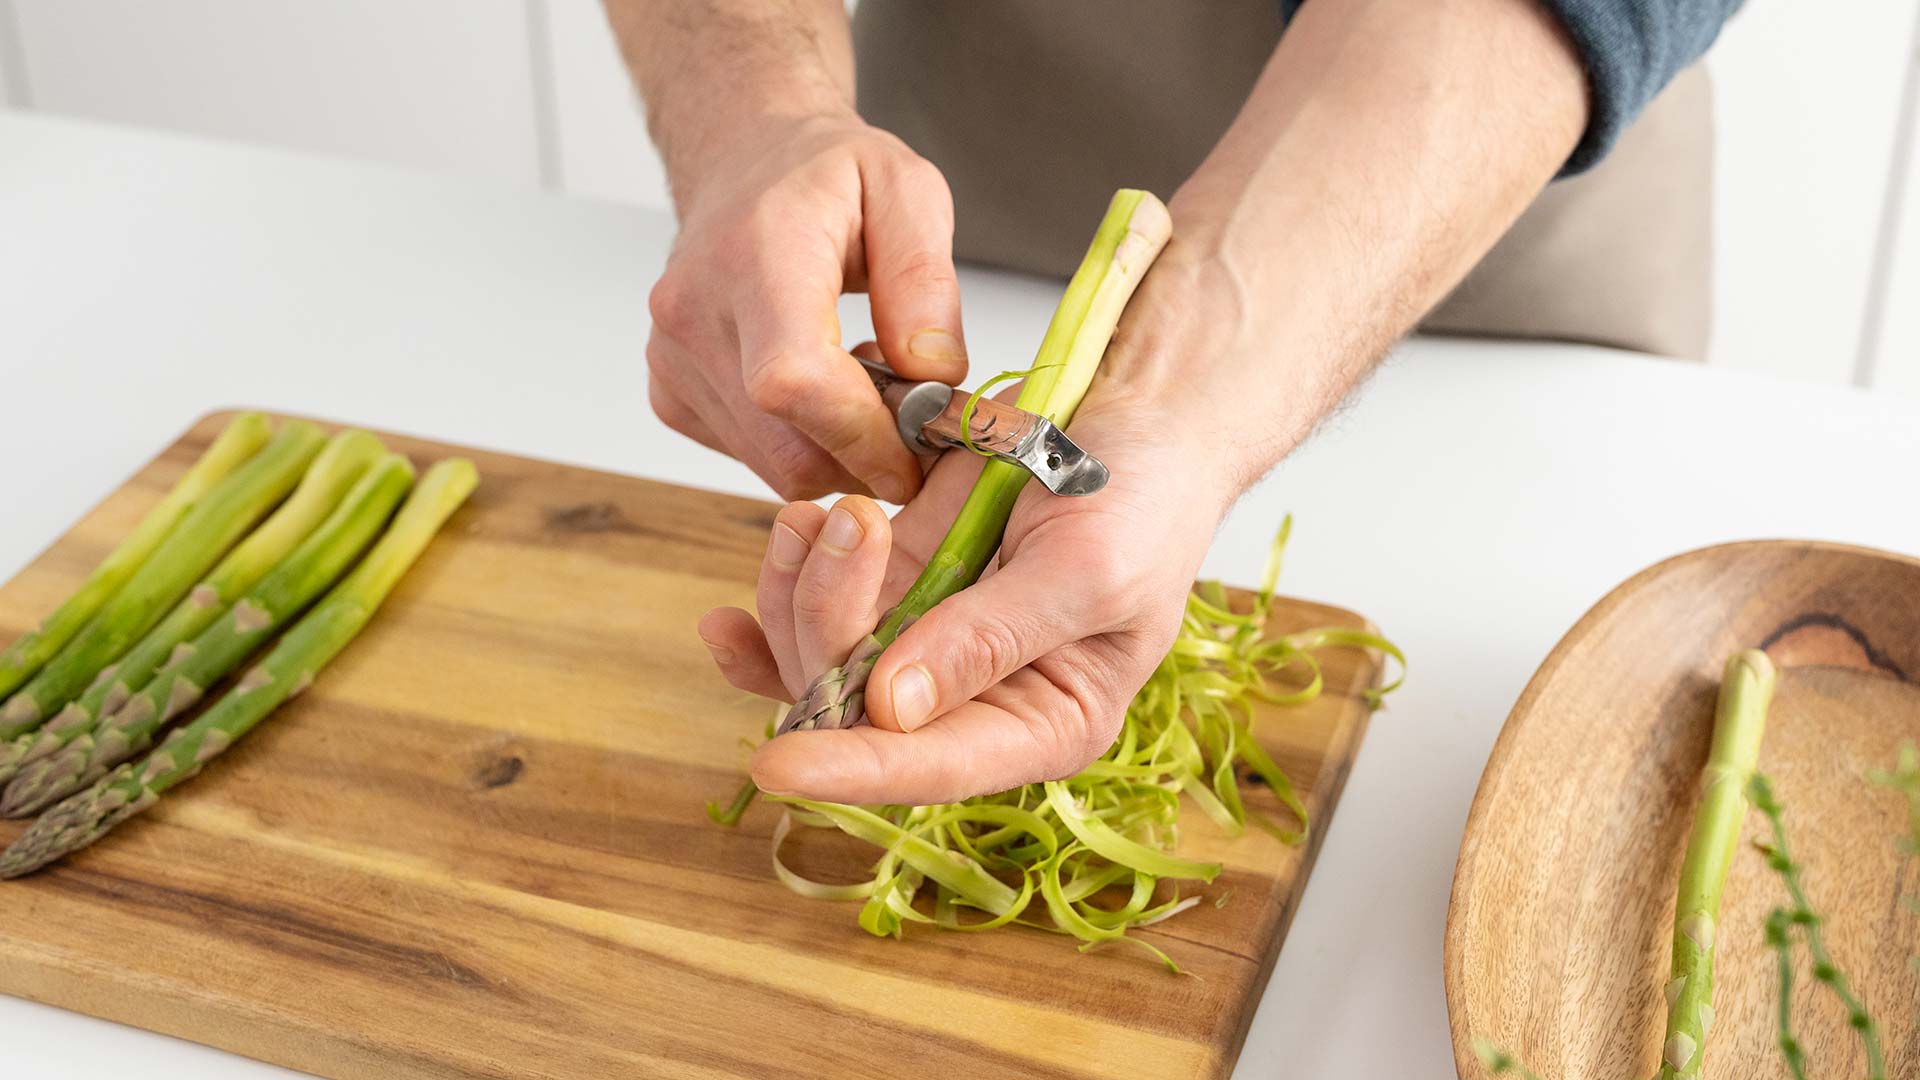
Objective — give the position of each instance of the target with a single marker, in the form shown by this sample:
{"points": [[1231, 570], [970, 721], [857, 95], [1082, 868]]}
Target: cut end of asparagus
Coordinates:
{"points": [[1755, 663]]}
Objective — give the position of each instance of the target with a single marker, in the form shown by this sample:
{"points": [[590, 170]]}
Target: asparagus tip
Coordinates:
{"points": [[20, 711]]}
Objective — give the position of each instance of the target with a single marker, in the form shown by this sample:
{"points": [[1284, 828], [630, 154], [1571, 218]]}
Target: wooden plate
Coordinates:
{"points": [[1558, 933]]}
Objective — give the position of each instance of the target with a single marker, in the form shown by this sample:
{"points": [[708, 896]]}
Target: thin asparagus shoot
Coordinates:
{"points": [[1801, 914], [1780, 940], [346, 457], [1739, 723], [316, 639], [243, 435], [214, 524], [1131, 235], [61, 762]]}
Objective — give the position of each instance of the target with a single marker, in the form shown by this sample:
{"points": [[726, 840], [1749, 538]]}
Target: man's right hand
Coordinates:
{"points": [[746, 354]]}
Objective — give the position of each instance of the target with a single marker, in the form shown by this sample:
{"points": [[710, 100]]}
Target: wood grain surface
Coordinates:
{"points": [[476, 847], [1559, 932]]}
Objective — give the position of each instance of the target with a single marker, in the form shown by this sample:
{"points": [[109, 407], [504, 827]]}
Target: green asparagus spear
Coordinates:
{"points": [[62, 760], [316, 639], [214, 524], [1131, 235], [346, 457], [242, 436], [1739, 722]]}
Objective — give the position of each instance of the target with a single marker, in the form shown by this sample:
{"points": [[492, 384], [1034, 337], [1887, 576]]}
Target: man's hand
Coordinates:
{"points": [[746, 352], [786, 200], [1023, 677]]}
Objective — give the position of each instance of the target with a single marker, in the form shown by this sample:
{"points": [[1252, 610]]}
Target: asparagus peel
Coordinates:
{"points": [[331, 475], [238, 441], [1137, 225], [228, 512], [316, 639], [62, 759], [1740, 721]]}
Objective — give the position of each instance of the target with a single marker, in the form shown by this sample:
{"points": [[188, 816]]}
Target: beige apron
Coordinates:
{"points": [[1036, 110]]}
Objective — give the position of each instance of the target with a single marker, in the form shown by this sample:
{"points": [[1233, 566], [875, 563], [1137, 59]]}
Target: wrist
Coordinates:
{"points": [[704, 143]]}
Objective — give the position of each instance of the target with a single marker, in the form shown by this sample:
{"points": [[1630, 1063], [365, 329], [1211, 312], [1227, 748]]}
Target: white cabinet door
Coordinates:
{"points": [[445, 86], [600, 133], [1807, 103]]}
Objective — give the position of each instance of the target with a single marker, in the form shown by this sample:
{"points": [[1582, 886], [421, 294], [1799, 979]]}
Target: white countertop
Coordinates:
{"points": [[1473, 500]]}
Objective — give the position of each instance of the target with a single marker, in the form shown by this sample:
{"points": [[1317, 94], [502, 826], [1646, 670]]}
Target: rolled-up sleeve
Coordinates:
{"points": [[1631, 49]]}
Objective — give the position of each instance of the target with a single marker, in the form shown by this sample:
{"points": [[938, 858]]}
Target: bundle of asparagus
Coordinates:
{"points": [[117, 672]]}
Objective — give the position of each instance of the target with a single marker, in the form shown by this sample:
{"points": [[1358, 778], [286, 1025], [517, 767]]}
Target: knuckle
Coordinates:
{"points": [[926, 178], [778, 384], [800, 469], [674, 414], [992, 650], [1112, 585], [671, 305], [924, 270], [814, 599]]}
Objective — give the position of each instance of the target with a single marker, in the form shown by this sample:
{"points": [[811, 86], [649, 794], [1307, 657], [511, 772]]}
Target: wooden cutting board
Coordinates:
{"points": [[477, 848], [1559, 934]]}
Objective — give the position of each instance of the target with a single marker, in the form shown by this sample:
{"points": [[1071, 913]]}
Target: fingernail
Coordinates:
{"points": [[912, 697], [787, 550], [937, 346], [842, 533]]}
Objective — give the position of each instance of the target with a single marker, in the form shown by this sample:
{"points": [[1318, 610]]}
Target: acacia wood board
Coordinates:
{"points": [[477, 847], [1559, 934]]}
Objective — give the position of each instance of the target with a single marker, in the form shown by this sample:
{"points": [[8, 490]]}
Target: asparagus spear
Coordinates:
{"points": [[227, 513], [1739, 722], [346, 457], [316, 639], [62, 760], [1136, 227], [243, 435]]}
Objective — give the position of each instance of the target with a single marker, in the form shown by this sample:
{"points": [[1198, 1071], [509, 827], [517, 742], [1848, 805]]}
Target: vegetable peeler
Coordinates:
{"points": [[931, 418]]}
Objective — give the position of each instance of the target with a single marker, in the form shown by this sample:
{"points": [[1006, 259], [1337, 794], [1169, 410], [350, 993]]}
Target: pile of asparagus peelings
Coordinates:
{"points": [[266, 526]]}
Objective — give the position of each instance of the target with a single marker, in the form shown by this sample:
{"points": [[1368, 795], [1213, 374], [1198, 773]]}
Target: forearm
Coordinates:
{"points": [[713, 72], [1386, 147]]}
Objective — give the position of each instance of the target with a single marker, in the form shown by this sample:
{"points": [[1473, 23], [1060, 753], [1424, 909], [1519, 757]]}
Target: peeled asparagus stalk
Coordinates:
{"points": [[243, 435], [215, 523], [62, 759], [1740, 720], [1136, 227], [327, 480], [316, 639]]}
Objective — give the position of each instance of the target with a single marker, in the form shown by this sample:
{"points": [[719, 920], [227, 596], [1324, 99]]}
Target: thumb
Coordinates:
{"points": [[974, 640], [908, 241]]}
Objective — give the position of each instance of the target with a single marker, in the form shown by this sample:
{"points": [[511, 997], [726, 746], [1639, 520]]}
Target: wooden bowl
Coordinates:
{"points": [[1559, 929]]}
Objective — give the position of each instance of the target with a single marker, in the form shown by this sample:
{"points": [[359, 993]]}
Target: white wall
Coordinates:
{"points": [[532, 92], [1809, 103], [1894, 363], [428, 83]]}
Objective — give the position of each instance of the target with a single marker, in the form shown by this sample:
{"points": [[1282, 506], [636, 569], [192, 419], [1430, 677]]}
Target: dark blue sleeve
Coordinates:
{"points": [[1631, 49]]}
